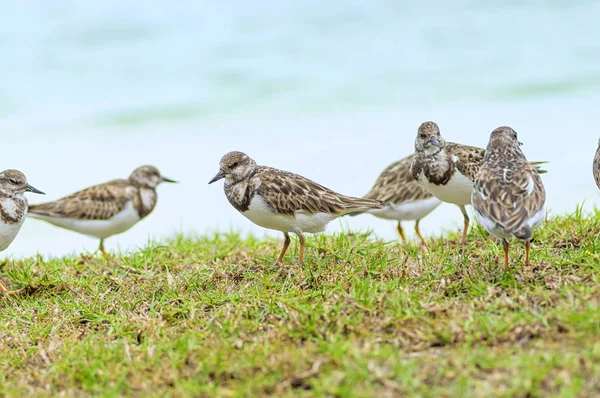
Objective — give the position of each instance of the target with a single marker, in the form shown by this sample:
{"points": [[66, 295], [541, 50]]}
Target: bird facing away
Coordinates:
{"points": [[106, 209], [402, 196], [447, 169], [13, 208], [596, 167], [508, 195], [283, 201]]}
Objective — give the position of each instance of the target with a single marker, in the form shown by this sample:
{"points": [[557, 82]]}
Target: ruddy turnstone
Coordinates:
{"points": [[13, 207], [596, 167], [508, 195], [402, 196], [106, 209], [446, 169], [283, 201]]}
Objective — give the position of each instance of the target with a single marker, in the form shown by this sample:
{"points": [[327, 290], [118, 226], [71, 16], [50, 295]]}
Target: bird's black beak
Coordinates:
{"points": [[165, 179], [434, 141], [220, 175], [29, 188]]}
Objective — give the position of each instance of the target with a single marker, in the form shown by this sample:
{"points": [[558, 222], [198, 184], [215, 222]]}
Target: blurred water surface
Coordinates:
{"points": [[332, 90]]}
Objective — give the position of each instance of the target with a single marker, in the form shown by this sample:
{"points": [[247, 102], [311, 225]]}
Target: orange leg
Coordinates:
{"points": [[423, 243], [401, 232], [9, 292], [506, 247], [302, 240], [286, 244], [463, 210], [101, 248], [527, 250]]}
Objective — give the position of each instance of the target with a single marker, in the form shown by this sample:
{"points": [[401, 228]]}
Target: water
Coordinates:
{"points": [[332, 90]]}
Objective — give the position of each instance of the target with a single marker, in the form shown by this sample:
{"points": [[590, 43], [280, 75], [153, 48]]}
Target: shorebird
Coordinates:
{"points": [[447, 169], [402, 196], [283, 201], [106, 209], [13, 207], [508, 196]]}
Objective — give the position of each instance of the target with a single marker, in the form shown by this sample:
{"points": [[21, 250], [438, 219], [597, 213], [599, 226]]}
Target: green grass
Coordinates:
{"points": [[211, 316]]}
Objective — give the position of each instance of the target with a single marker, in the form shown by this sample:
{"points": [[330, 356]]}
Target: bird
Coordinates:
{"points": [[447, 169], [402, 196], [283, 201], [596, 166], [106, 209], [13, 207], [508, 195]]}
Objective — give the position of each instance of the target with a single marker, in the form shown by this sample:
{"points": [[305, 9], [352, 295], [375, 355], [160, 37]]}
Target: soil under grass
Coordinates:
{"points": [[212, 316]]}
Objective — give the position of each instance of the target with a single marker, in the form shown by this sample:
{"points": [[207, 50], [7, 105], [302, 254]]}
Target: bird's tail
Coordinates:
{"points": [[523, 233], [537, 166], [356, 206]]}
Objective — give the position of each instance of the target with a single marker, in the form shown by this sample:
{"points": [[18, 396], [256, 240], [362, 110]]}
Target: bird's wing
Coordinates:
{"points": [[100, 202], [509, 198], [287, 193], [467, 159], [396, 184]]}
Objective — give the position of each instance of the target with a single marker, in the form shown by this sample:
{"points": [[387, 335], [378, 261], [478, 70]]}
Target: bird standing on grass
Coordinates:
{"points": [[13, 208], [402, 196], [283, 201], [508, 194], [106, 209], [447, 169]]}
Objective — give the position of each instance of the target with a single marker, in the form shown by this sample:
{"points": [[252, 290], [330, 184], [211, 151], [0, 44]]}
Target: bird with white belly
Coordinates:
{"points": [[447, 169], [283, 201], [106, 209], [13, 208]]}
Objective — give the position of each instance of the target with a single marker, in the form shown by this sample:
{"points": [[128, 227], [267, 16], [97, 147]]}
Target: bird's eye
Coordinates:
{"points": [[422, 136], [12, 181], [236, 164]]}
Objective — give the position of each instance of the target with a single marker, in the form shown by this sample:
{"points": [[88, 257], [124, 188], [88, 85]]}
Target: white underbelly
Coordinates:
{"points": [[537, 219], [260, 213], [97, 228], [8, 233], [408, 210], [457, 191], [499, 232]]}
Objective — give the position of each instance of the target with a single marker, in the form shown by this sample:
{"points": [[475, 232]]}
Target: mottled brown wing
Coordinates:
{"points": [[396, 184], [597, 167], [100, 202], [287, 193], [468, 159], [508, 198]]}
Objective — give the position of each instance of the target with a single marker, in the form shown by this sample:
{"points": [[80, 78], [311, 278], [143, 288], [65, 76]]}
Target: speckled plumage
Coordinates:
{"points": [[106, 209], [402, 196], [281, 200], [13, 206], [447, 169], [508, 195], [596, 166]]}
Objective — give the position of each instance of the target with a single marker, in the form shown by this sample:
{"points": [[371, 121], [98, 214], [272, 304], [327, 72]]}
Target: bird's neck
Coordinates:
{"points": [[12, 208], [147, 201]]}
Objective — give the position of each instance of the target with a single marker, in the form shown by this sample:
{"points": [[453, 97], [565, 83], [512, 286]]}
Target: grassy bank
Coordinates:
{"points": [[212, 316]]}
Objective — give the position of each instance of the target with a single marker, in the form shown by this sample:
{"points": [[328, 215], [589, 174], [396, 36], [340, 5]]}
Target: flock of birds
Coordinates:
{"points": [[505, 190]]}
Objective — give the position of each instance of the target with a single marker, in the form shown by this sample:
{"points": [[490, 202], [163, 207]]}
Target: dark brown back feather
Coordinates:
{"points": [[396, 184], [100, 202], [287, 193], [509, 203]]}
